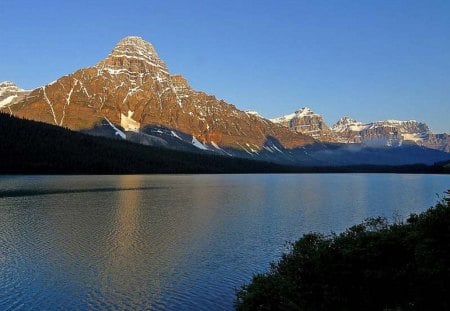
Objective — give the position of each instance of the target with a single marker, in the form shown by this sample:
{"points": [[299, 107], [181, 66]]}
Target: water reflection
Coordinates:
{"points": [[173, 242], [119, 272], [127, 220]]}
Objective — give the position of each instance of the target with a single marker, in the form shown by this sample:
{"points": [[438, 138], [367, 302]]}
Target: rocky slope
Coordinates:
{"points": [[11, 94], [437, 141], [389, 133], [132, 95], [305, 121], [132, 91]]}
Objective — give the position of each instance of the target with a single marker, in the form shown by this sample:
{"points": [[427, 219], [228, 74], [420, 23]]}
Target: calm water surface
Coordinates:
{"points": [[174, 242]]}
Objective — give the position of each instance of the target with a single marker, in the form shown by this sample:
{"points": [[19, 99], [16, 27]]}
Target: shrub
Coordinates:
{"points": [[371, 266]]}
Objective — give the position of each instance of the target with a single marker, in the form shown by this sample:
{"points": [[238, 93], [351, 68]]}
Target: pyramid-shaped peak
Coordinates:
{"points": [[133, 39], [135, 55], [135, 44]]}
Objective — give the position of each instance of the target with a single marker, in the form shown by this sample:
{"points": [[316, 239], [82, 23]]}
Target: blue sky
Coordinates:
{"points": [[370, 60]]}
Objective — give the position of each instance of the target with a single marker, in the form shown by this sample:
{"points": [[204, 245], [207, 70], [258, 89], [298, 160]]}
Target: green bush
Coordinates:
{"points": [[371, 266]]}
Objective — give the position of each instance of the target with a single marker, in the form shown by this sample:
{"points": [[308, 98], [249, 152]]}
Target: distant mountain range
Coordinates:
{"points": [[389, 133], [131, 95]]}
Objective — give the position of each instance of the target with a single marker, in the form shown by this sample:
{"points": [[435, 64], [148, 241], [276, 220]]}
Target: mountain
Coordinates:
{"points": [[305, 121], [389, 133], [30, 147], [10, 94], [437, 141], [131, 94]]}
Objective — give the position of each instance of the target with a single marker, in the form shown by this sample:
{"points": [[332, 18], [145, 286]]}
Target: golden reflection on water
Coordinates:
{"points": [[127, 216], [123, 260], [139, 255]]}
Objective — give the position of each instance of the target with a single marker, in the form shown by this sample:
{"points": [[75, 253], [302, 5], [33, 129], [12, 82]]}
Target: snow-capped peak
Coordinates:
{"points": [[135, 44], [135, 55], [346, 120], [10, 93], [6, 84], [387, 132], [347, 123], [302, 112], [405, 127], [305, 111], [9, 86]]}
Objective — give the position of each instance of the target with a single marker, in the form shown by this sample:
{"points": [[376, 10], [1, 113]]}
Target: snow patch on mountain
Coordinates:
{"points": [[11, 94], [198, 144], [7, 100], [253, 113], [118, 132], [302, 112], [175, 135], [413, 137], [381, 133], [127, 122], [347, 123]]}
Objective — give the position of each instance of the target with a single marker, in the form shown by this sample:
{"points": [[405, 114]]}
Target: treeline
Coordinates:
{"points": [[371, 266], [29, 147]]}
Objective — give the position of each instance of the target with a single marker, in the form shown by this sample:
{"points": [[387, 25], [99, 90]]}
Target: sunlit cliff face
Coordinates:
{"points": [[133, 88]]}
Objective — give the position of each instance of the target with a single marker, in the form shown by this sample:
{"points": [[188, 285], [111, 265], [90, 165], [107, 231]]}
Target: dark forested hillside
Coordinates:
{"points": [[35, 147], [30, 147]]}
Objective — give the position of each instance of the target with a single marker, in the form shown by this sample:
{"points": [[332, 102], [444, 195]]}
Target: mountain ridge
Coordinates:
{"points": [[133, 88], [132, 95], [391, 133]]}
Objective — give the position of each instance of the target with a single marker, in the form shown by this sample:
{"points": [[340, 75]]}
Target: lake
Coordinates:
{"points": [[174, 242]]}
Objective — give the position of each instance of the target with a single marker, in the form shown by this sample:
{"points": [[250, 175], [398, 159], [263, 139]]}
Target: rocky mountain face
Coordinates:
{"points": [[389, 133], [11, 94], [305, 121], [132, 94], [347, 130], [437, 141]]}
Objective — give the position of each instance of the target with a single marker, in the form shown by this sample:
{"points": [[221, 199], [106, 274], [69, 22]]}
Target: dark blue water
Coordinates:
{"points": [[174, 242]]}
